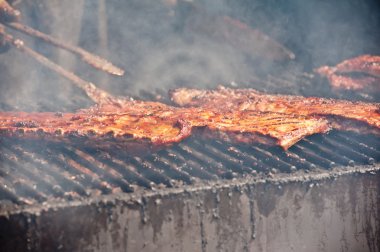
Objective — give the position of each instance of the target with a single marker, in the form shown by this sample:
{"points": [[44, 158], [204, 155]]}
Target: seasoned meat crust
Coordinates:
{"points": [[238, 115], [153, 124], [362, 116], [369, 64], [359, 74]]}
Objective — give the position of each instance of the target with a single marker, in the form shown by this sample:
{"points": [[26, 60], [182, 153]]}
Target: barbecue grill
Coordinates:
{"points": [[323, 194]]}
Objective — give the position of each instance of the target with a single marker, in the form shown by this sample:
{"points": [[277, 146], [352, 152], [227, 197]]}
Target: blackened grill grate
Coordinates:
{"points": [[33, 172]]}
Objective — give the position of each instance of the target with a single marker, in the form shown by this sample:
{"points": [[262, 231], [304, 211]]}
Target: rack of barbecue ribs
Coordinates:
{"points": [[136, 125], [237, 115], [341, 115], [358, 74]]}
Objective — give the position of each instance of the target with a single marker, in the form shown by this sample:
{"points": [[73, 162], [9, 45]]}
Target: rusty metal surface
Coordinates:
{"points": [[336, 210]]}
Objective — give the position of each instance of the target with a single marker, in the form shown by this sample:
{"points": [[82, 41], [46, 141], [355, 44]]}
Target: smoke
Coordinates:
{"points": [[159, 55], [145, 38], [336, 30], [25, 84], [150, 40]]}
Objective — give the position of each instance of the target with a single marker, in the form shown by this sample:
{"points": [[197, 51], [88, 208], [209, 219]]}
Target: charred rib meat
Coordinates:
{"points": [[151, 124], [369, 64], [342, 115], [360, 73], [239, 115]]}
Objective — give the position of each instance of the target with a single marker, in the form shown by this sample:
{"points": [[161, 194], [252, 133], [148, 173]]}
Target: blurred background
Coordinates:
{"points": [[173, 43]]}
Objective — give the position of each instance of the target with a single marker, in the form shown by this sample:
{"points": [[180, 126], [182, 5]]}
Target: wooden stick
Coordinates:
{"points": [[98, 95], [93, 60]]}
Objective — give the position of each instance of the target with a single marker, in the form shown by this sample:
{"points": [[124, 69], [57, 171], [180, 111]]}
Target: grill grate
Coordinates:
{"points": [[33, 172]]}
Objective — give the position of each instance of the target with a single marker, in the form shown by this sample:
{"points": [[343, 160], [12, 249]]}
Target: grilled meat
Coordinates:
{"points": [[152, 124], [237, 126], [360, 73], [8, 13], [367, 84], [262, 127], [368, 64], [231, 114], [342, 115], [99, 129]]}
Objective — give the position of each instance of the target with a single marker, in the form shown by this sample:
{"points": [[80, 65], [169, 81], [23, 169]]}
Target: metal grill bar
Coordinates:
{"points": [[103, 171], [220, 152], [43, 181], [271, 160], [64, 179], [311, 157], [195, 159], [325, 151], [249, 160], [347, 151], [215, 167], [33, 171], [170, 168], [8, 192], [146, 169], [22, 185], [361, 147], [126, 171], [189, 165], [81, 174]]}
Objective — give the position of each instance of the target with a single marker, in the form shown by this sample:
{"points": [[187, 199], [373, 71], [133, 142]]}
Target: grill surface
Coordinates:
{"points": [[35, 172]]}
